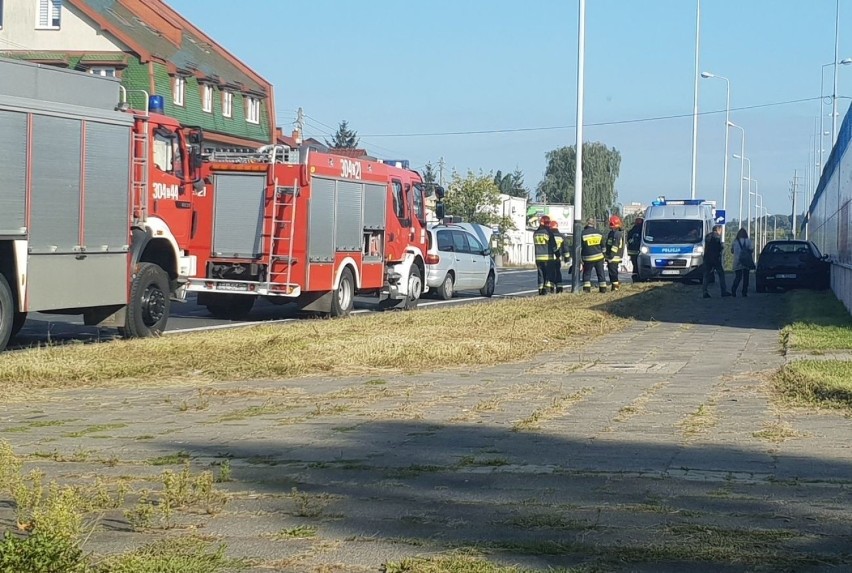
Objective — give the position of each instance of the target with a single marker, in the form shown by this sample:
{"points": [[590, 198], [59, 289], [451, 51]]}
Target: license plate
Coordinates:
{"points": [[232, 286], [671, 272], [787, 276]]}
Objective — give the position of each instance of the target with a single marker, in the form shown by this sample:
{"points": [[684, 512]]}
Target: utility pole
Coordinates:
{"points": [[300, 125], [578, 171], [695, 99], [795, 193], [441, 172]]}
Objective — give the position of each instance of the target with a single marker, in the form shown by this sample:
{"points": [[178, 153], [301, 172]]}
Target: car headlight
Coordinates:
{"points": [[698, 250], [644, 250]]}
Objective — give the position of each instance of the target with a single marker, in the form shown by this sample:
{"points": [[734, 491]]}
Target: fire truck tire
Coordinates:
{"points": [[149, 305], [415, 289], [7, 312], [447, 288], [488, 289], [231, 306], [343, 297]]}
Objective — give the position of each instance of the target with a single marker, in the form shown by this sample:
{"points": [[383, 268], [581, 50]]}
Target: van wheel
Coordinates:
{"points": [[7, 312], [447, 288], [343, 297], [488, 289], [148, 308], [18, 322]]}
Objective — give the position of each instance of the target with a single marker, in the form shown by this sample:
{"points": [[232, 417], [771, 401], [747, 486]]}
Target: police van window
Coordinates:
{"points": [[419, 207], [460, 242], [398, 199], [445, 241], [670, 231]]}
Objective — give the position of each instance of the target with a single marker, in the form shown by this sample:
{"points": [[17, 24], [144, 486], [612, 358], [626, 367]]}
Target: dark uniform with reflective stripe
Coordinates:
{"points": [[545, 253], [556, 263], [614, 246], [593, 258], [634, 241]]}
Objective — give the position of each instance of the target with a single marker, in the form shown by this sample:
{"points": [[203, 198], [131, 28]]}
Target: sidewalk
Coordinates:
{"points": [[666, 454]]}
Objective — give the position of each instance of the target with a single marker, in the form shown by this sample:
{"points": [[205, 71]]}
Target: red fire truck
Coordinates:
{"points": [[308, 227], [97, 202]]}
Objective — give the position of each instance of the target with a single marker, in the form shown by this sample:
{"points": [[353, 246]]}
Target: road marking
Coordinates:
{"points": [[359, 311]]}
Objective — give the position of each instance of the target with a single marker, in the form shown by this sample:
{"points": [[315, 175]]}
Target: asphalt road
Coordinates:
{"points": [[190, 317]]}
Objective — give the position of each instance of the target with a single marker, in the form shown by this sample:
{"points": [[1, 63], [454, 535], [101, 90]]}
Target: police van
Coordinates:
{"points": [[673, 238]]}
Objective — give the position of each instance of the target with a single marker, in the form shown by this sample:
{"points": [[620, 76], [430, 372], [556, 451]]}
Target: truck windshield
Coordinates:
{"points": [[672, 231]]}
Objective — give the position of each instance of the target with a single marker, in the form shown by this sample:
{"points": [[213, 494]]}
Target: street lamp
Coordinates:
{"points": [[742, 167], [743, 160], [843, 62], [727, 124]]}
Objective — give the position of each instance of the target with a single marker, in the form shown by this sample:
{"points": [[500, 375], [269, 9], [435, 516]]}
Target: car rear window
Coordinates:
{"points": [[788, 248]]}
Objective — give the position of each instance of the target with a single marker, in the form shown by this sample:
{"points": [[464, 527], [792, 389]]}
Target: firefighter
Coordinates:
{"points": [[613, 250], [545, 253], [556, 263], [634, 241], [592, 255]]}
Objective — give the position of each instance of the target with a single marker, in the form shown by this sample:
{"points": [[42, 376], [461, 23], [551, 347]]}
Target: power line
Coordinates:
{"points": [[596, 124]]}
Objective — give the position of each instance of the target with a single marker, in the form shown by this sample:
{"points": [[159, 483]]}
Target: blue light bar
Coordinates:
{"points": [[663, 201]]}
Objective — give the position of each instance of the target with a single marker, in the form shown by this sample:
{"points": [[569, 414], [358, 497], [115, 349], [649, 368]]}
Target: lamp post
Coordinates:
{"points": [[727, 124], [843, 62], [742, 167], [695, 99], [743, 160]]}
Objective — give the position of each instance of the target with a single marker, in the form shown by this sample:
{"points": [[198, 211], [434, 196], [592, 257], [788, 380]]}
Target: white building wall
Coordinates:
{"points": [[76, 33], [519, 247]]}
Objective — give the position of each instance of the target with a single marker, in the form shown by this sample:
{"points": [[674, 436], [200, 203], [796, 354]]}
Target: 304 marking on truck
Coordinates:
{"points": [[165, 191], [350, 169]]}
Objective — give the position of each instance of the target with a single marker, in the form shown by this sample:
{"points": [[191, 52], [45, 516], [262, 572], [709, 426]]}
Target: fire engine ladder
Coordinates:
{"points": [[139, 172], [281, 234]]}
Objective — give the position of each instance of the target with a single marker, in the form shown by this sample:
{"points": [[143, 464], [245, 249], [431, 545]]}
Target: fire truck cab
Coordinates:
{"points": [[94, 212], [311, 228]]}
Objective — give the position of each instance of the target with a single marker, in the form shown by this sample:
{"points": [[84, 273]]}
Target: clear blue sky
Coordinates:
{"points": [[398, 70]]}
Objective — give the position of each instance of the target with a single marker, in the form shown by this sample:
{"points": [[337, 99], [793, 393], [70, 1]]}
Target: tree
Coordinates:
{"points": [[429, 176], [476, 199], [601, 166], [511, 183], [345, 138]]}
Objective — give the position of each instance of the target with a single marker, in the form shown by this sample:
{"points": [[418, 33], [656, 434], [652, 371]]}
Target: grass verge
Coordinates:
{"points": [[816, 383], [817, 322], [500, 331]]}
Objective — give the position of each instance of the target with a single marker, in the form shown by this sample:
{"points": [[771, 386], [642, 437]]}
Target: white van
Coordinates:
{"points": [[673, 239]]}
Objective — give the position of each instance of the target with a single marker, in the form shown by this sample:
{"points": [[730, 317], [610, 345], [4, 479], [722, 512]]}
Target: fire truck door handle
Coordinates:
{"points": [[194, 226]]}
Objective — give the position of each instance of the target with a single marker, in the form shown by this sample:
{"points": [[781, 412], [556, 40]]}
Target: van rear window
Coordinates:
{"points": [[673, 231]]}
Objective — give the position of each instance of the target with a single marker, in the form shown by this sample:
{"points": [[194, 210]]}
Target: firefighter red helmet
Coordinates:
{"points": [[544, 221], [554, 225], [615, 221]]}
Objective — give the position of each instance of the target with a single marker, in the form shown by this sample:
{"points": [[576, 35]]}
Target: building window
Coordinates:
{"points": [[178, 90], [49, 14], [227, 104], [252, 109], [207, 98], [102, 71]]}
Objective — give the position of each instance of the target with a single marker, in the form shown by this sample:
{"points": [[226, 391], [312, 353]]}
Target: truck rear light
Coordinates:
{"points": [[432, 259]]}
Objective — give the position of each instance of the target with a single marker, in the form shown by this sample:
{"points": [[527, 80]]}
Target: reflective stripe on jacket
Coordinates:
{"points": [[545, 245], [634, 240], [614, 245], [560, 245], [592, 243]]}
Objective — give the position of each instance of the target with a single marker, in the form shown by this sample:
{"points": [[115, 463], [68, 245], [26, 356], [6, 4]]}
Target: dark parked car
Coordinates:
{"points": [[791, 264]]}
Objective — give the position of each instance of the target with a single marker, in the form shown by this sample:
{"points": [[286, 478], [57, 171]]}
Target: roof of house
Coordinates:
{"points": [[157, 32]]}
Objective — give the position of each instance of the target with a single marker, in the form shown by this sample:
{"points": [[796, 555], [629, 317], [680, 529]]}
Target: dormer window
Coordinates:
{"points": [[178, 90], [227, 104], [207, 98], [252, 109]]}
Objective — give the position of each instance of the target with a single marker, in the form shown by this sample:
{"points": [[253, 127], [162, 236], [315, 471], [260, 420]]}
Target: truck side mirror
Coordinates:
{"points": [[196, 137], [439, 210], [195, 156], [439, 192]]}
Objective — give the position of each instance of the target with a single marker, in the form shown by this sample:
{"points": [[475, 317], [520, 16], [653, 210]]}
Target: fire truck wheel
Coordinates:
{"points": [[415, 288], [343, 298], [7, 312], [488, 289], [149, 305], [231, 306], [447, 288]]}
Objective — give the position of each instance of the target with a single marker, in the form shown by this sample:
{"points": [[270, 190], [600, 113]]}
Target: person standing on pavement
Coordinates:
{"points": [[713, 260], [545, 252], [634, 241], [613, 250], [556, 264], [592, 255], [743, 250]]}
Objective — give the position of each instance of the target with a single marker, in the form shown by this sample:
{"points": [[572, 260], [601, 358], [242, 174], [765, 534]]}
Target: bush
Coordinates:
{"points": [[41, 553]]}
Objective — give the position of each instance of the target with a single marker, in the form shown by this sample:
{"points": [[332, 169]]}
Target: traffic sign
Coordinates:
{"points": [[719, 217]]}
